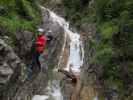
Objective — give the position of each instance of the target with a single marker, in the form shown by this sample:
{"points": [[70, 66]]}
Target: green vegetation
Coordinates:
{"points": [[77, 11], [114, 22], [18, 14], [113, 43]]}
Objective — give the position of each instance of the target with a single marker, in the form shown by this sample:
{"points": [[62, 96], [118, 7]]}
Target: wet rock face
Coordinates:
{"points": [[9, 62], [24, 41], [15, 53], [50, 24]]}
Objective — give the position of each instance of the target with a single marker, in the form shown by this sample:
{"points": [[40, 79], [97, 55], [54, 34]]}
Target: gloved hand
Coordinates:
{"points": [[49, 38]]}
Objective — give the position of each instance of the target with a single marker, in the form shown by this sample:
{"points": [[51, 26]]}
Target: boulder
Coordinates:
{"points": [[10, 64], [24, 41]]}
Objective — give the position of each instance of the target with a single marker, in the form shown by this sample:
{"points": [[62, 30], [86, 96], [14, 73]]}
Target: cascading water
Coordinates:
{"points": [[75, 59]]}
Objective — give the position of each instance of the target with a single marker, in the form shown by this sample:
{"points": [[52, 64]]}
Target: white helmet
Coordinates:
{"points": [[40, 30]]}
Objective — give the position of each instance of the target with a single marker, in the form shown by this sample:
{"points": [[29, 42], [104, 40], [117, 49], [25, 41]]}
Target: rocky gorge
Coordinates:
{"points": [[93, 41]]}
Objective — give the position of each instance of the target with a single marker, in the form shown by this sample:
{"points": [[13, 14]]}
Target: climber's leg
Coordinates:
{"points": [[29, 72], [37, 61]]}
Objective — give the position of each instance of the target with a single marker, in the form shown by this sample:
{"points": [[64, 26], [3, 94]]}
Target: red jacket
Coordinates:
{"points": [[40, 43]]}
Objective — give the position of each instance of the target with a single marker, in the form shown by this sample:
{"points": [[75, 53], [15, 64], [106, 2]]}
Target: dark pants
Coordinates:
{"points": [[35, 64], [35, 61]]}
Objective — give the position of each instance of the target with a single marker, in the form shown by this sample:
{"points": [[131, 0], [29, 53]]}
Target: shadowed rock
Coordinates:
{"points": [[10, 65]]}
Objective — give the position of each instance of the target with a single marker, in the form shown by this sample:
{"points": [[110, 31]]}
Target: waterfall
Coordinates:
{"points": [[76, 48], [75, 59]]}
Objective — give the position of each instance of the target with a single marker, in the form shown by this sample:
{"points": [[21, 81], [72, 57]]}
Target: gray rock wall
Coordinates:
{"points": [[11, 69]]}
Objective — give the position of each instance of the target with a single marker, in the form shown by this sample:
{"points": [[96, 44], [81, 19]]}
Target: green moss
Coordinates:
{"points": [[130, 69], [77, 12], [32, 11], [107, 29], [13, 24], [103, 56], [7, 2], [18, 14]]}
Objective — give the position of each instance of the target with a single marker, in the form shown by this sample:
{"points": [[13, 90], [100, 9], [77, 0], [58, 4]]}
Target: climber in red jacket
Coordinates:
{"points": [[40, 43], [36, 50]]}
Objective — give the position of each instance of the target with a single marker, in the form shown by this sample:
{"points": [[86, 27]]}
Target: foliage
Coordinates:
{"points": [[77, 11], [114, 24], [113, 44], [18, 14]]}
